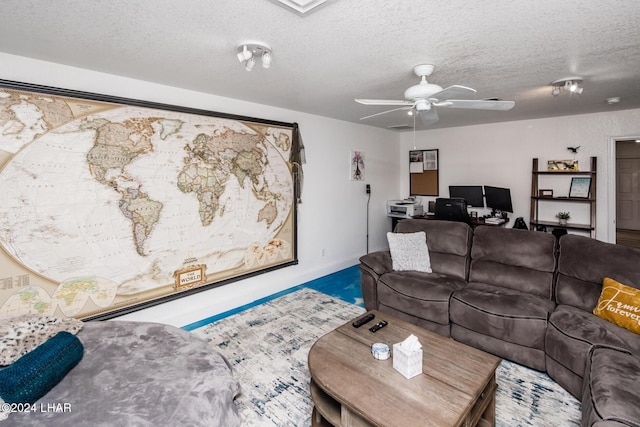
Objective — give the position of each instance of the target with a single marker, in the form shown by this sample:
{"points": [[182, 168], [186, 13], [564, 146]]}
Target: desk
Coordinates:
{"points": [[474, 221]]}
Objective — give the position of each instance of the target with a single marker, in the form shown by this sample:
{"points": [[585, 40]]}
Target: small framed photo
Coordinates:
{"points": [[580, 187], [545, 193], [562, 166]]}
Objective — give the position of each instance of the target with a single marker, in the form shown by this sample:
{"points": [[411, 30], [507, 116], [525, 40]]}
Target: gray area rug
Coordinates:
{"points": [[268, 346]]}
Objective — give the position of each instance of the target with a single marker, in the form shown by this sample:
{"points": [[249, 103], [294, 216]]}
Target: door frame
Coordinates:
{"points": [[611, 183]]}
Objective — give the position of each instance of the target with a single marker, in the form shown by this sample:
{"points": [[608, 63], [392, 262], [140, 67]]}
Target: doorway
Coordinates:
{"points": [[627, 167]]}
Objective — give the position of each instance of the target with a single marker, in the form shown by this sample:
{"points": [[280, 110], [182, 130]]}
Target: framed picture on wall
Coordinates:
{"points": [[133, 203], [580, 187], [356, 165]]}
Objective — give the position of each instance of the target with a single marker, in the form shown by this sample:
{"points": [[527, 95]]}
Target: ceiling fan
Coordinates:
{"points": [[421, 98]]}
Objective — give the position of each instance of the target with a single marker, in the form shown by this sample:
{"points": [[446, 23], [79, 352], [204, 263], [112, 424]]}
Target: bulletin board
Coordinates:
{"points": [[423, 172]]}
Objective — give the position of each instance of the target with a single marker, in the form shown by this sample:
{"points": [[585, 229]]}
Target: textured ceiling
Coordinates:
{"points": [[349, 49]]}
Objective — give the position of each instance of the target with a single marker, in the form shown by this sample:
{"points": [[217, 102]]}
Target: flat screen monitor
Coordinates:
{"points": [[472, 194], [498, 198], [454, 209]]}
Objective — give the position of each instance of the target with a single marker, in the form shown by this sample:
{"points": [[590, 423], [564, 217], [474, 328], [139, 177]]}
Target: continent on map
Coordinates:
{"points": [[32, 300], [24, 118], [212, 159], [268, 213], [284, 142], [143, 212], [116, 145], [72, 295]]}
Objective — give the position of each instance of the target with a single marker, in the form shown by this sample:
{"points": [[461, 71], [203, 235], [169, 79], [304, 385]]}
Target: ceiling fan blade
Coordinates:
{"points": [[382, 102], [451, 92], [480, 104], [428, 117], [388, 111]]}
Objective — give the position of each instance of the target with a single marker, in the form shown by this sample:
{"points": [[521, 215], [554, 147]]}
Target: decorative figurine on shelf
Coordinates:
{"points": [[574, 150], [563, 217]]}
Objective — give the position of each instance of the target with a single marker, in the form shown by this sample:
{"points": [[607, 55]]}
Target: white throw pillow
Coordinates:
{"points": [[409, 251]]}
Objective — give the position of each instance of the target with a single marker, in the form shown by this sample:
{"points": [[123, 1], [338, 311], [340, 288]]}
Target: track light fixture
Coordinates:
{"points": [[249, 64], [570, 84], [266, 59], [249, 51], [244, 54]]}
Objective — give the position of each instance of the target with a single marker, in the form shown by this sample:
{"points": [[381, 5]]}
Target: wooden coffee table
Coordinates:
{"points": [[351, 388]]}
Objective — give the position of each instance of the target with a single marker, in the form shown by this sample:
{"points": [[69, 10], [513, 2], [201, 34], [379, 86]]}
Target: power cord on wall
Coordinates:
{"points": [[368, 189]]}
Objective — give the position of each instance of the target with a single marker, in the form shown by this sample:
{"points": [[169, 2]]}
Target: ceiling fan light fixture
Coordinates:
{"points": [[423, 105], [424, 99]]}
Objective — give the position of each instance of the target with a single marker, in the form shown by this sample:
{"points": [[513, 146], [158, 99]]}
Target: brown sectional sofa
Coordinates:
{"points": [[524, 296]]}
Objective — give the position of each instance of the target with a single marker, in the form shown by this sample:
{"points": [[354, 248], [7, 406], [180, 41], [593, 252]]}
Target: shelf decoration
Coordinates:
{"points": [[562, 166], [563, 217], [580, 187], [545, 193]]}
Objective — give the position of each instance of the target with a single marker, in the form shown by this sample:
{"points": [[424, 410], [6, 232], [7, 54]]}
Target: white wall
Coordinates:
{"points": [[332, 218], [500, 154]]}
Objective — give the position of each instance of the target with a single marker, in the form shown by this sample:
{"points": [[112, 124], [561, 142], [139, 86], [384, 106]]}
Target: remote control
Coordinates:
{"points": [[365, 319], [381, 324]]}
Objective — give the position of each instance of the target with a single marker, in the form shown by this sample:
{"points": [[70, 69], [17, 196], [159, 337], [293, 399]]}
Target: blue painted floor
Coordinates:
{"points": [[343, 284]]}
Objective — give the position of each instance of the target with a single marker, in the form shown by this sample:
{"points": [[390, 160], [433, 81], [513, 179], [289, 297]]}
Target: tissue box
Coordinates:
{"points": [[407, 363]]}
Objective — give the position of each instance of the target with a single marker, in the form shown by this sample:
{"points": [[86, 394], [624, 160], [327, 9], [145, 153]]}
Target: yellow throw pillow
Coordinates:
{"points": [[619, 304]]}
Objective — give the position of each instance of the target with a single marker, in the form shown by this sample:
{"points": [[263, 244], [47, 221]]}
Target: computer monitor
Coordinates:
{"points": [[453, 209], [472, 194], [498, 199]]}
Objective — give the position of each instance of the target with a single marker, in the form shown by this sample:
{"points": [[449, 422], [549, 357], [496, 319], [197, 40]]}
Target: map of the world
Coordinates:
{"points": [[108, 205]]}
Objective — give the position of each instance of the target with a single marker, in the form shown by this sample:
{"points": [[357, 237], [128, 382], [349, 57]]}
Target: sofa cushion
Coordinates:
{"points": [[610, 391], [583, 263], [571, 334], [423, 295], [620, 305], [517, 259], [532, 357], [409, 251], [449, 244], [508, 314]]}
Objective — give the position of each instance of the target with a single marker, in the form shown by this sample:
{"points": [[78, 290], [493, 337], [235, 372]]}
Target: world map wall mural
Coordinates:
{"points": [[108, 205]]}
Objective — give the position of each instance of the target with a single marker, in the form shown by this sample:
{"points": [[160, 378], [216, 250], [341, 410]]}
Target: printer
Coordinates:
{"points": [[407, 208]]}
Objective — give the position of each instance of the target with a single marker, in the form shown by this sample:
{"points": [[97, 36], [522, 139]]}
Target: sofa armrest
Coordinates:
{"points": [[378, 262], [372, 266]]}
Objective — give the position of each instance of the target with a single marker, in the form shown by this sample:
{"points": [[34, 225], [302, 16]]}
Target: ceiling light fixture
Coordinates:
{"points": [[249, 64], [249, 51], [570, 84], [266, 59]]}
